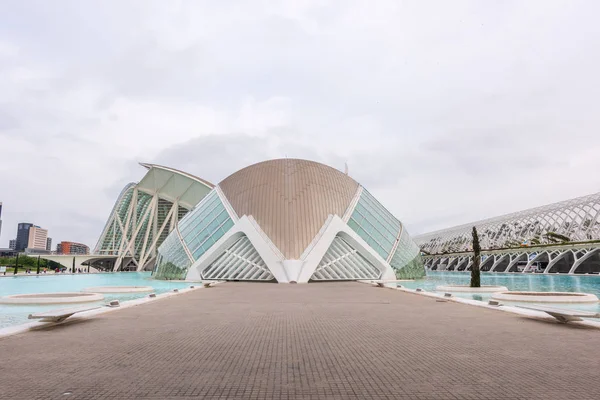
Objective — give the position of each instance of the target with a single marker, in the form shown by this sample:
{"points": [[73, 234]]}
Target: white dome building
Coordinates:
{"points": [[288, 220]]}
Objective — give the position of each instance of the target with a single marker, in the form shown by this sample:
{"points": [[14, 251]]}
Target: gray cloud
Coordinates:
{"points": [[447, 112], [215, 157], [7, 121]]}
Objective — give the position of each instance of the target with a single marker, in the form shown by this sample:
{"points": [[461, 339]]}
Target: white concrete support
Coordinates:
{"points": [[462, 262], [242, 227], [517, 258], [557, 258], [451, 264], [499, 260], [139, 215], [490, 260], [125, 228], [551, 255], [443, 263], [470, 264], [582, 258], [298, 271], [338, 227], [170, 219]]}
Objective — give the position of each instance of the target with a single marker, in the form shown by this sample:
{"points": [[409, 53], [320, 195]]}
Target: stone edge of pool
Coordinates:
{"points": [[510, 309], [29, 326]]}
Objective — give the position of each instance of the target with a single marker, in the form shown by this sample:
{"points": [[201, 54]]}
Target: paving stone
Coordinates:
{"points": [[314, 341]]}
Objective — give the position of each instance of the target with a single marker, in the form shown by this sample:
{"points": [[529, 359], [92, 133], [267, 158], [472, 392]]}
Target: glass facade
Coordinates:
{"points": [[200, 229], [205, 225], [110, 243], [172, 262], [376, 225], [406, 261], [142, 217], [380, 229]]}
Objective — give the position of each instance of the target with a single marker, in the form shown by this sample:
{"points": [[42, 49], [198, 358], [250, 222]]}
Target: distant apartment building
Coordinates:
{"points": [[37, 238], [12, 244], [49, 244], [72, 248], [22, 241]]}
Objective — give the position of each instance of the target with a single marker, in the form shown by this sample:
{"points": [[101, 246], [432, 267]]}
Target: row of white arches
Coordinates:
{"points": [[574, 220], [584, 260]]}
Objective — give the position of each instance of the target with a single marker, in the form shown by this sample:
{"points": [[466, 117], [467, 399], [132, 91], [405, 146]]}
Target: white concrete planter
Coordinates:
{"points": [[468, 289], [118, 289], [546, 297], [51, 298]]}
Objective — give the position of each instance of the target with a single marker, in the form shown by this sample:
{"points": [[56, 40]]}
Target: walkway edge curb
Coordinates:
{"points": [[510, 309], [31, 326]]}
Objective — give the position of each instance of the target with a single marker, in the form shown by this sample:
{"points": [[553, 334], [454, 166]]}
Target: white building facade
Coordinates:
{"points": [[145, 213], [288, 221], [575, 220]]}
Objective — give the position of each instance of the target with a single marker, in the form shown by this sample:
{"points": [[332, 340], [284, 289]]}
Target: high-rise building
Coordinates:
{"points": [[49, 244], [22, 241], [37, 238], [72, 248], [12, 244]]}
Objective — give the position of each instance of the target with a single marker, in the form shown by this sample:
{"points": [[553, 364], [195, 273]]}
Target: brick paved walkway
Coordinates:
{"points": [[330, 341]]}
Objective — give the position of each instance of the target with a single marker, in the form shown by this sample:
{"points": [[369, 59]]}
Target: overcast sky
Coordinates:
{"points": [[447, 111]]}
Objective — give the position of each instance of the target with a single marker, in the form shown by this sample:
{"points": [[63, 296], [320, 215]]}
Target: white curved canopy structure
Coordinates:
{"points": [[575, 220], [146, 212]]}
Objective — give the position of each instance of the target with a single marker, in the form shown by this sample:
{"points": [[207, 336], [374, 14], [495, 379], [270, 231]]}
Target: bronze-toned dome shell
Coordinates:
{"points": [[290, 199]]}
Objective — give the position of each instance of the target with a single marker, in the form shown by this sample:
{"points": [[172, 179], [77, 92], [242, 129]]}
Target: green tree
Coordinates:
{"points": [[27, 262], [475, 274], [556, 237]]}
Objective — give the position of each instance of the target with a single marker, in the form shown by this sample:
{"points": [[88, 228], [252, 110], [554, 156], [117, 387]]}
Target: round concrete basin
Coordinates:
{"points": [[468, 289], [51, 298], [546, 297], [118, 289]]}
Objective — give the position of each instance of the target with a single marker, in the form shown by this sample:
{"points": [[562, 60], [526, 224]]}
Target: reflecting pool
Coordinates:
{"points": [[515, 282], [17, 314]]}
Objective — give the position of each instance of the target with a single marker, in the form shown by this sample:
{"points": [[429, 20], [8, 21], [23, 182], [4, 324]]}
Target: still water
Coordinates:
{"points": [[17, 314], [515, 282]]}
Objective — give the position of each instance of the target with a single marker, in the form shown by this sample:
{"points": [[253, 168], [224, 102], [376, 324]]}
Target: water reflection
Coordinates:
{"points": [[514, 282], [531, 282]]}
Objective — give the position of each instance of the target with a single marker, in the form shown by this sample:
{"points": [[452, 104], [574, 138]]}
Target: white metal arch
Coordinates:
{"points": [[556, 259], [516, 259], [579, 261], [489, 260], [452, 264], [463, 261], [499, 260], [552, 255], [576, 219]]}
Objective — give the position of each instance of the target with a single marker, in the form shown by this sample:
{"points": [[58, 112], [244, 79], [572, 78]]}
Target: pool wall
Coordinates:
{"points": [[25, 327]]}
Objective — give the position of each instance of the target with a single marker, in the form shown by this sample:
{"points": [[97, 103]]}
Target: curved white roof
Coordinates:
{"points": [[174, 185]]}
